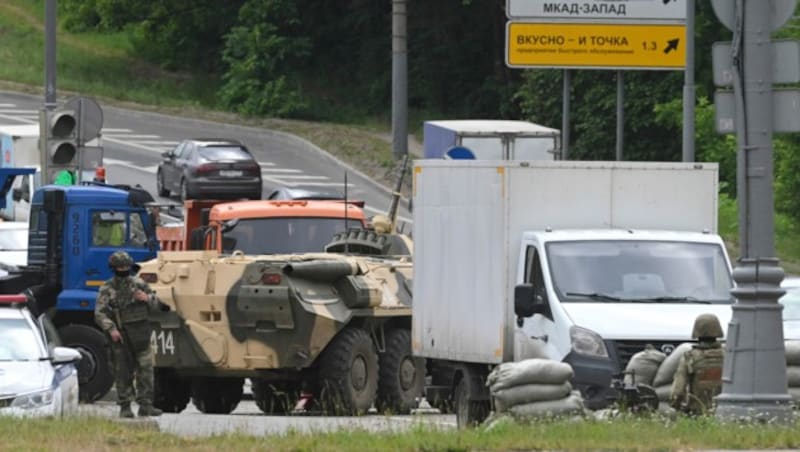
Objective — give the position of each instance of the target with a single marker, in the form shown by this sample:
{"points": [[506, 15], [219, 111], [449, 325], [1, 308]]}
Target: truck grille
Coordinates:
{"points": [[626, 349]]}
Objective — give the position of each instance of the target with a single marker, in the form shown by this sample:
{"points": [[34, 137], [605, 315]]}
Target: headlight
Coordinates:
{"points": [[587, 342], [33, 400]]}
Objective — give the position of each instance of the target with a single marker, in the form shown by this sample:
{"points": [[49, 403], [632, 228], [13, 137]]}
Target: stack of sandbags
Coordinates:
{"points": [[643, 366], [534, 388], [793, 368], [662, 382]]}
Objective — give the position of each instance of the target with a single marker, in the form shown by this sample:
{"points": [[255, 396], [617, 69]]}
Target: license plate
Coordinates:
{"points": [[230, 173]]}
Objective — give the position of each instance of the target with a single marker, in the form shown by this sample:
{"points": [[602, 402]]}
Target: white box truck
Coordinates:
{"points": [[19, 148], [489, 139], [582, 262]]}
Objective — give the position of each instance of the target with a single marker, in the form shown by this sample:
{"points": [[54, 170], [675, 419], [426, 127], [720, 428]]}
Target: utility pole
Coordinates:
{"points": [[399, 79], [689, 86], [754, 372]]}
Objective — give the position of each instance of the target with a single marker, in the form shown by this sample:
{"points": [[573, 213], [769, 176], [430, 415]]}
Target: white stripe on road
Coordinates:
{"points": [[133, 145], [17, 118], [20, 112], [148, 169], [8, 105], [131, 136], [107, 130], [281, 170], [303, 177], [156, 142], [266, 163]]}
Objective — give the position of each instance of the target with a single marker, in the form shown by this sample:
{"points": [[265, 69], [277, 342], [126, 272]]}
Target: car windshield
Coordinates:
{"points": [[13, 239], [639, 271], [283, 235], [18, 341], [791, 303], [212, 153]]}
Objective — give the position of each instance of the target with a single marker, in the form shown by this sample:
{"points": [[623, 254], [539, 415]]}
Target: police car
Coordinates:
{"points": [[38, 377]]}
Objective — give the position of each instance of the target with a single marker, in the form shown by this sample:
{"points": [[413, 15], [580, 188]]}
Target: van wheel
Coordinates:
{"points": [[217, 395], [170, 393], [160, 187], [349, 372], [402, 376]]}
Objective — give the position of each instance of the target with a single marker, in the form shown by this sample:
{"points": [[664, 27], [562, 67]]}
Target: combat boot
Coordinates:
{"points": [[125, 411], [149, 410]]}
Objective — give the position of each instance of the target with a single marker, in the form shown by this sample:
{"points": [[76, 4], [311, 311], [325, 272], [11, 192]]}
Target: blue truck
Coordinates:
{"points": [[72, 232]]}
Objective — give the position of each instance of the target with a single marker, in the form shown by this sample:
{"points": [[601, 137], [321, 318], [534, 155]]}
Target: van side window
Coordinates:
{"points": [[535, 277], [138, 237]]}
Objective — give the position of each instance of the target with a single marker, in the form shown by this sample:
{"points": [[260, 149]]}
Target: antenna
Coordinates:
{"points": [[346, 246]]}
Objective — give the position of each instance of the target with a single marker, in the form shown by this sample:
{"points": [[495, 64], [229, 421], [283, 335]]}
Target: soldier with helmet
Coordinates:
{"points": [[699, 376], [122, 308]]}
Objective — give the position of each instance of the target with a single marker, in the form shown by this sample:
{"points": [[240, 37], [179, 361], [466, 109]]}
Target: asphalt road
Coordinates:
{"points": [[248, 419], [133, 142]]}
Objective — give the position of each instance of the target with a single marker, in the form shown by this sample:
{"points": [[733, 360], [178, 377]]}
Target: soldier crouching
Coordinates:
{"points": [[122, 308], [699, 376]]}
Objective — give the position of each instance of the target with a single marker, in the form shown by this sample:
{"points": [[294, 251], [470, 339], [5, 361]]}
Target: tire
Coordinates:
{"points": [[160, 187], [349, 373], [185, 194], [469, 413], [170, 393], [273, 398], [217, 395], [95, 375], [402, 376]]}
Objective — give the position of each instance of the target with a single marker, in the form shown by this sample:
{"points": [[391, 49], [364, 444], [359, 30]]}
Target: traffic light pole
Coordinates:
{"points": [[50, 55], [754, 372]]}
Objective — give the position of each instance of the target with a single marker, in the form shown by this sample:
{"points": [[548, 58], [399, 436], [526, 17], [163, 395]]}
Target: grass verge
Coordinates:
{"points": [[92, 434]]}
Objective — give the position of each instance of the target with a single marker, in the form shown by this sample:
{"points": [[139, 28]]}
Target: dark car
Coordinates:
{"points": [[209, 168], [303, 193]]}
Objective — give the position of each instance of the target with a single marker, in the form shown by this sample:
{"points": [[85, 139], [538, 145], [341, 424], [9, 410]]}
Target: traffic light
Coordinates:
{"points": [[61, 146]]}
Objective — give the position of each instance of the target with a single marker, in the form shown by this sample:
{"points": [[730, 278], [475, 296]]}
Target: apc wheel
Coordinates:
{"points": [[95, 376], [349, 373], [401, 375], [217, 395], [170, 393], [469, 413], [160, 187], [273, 399]]}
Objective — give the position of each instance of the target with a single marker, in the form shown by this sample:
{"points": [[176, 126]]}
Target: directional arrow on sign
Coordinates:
{"points": [[672, 44]]}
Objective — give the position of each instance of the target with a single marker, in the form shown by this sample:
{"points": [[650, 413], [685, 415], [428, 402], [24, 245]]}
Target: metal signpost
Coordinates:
{"points": [[599, 34], [754, 372]]}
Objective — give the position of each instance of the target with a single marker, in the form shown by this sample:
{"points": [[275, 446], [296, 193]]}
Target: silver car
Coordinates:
{"points": [[38, 377]]}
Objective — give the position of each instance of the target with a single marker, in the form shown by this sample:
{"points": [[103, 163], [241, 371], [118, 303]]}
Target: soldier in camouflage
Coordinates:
{"points": [[122, 308], [699, 376]]}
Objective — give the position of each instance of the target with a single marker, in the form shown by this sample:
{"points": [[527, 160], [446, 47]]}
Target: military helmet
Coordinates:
{"points": [[706, 325], [120, 259]]}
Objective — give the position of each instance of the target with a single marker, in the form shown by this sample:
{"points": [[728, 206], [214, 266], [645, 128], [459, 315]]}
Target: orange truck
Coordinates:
{"points": [[261, 227]]}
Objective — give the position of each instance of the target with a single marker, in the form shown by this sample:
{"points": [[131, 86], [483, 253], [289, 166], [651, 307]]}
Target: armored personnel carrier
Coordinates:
{"points": [[333, 325]]}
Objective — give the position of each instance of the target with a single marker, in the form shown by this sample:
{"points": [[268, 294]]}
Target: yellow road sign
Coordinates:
{"points": [[597, 46]]}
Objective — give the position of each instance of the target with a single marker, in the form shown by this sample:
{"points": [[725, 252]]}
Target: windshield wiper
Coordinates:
{"points": [[593, 296], [669, 300]]}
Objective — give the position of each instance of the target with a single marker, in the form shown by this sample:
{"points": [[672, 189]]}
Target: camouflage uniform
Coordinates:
{"points": [[132, 355], [699, 376]]}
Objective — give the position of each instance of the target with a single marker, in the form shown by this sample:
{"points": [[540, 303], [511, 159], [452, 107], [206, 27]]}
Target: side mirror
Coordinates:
{"points": [[168, 155], [16, 194], [524, 304], [65, 355]]}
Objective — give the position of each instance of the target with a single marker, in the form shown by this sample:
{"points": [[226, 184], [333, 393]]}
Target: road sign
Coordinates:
{"points": [[780, 12], [595, 46], [785, 111], [785, 62], [673, 11]]}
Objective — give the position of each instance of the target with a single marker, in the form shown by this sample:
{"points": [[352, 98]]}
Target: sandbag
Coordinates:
{"points": [[667, 369], [664, 392], [644, 365], [792, 353], [541, 371], [571, 404], [520, 395], [793, 376]]}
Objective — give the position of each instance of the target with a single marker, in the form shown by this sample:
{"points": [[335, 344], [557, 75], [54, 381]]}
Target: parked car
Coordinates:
{"points": [[791, 307], [308, 193], [13, 245], [38, 377], [209, 168]]}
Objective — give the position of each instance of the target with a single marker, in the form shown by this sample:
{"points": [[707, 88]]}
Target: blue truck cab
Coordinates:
{"points": [[72, 232]]}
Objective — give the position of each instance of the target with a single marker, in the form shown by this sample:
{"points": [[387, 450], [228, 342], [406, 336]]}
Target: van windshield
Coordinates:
{"points": [[283, 235], [639, 271]]}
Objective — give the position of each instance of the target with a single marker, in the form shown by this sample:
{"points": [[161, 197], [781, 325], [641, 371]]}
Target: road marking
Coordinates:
{"points": [[304, 177], [266, 164], [147, 169], [108, 130], [133, 145], [280, 170], [163, 143], [20, 112], [17, 118], [8, 105], [132, 136]]}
